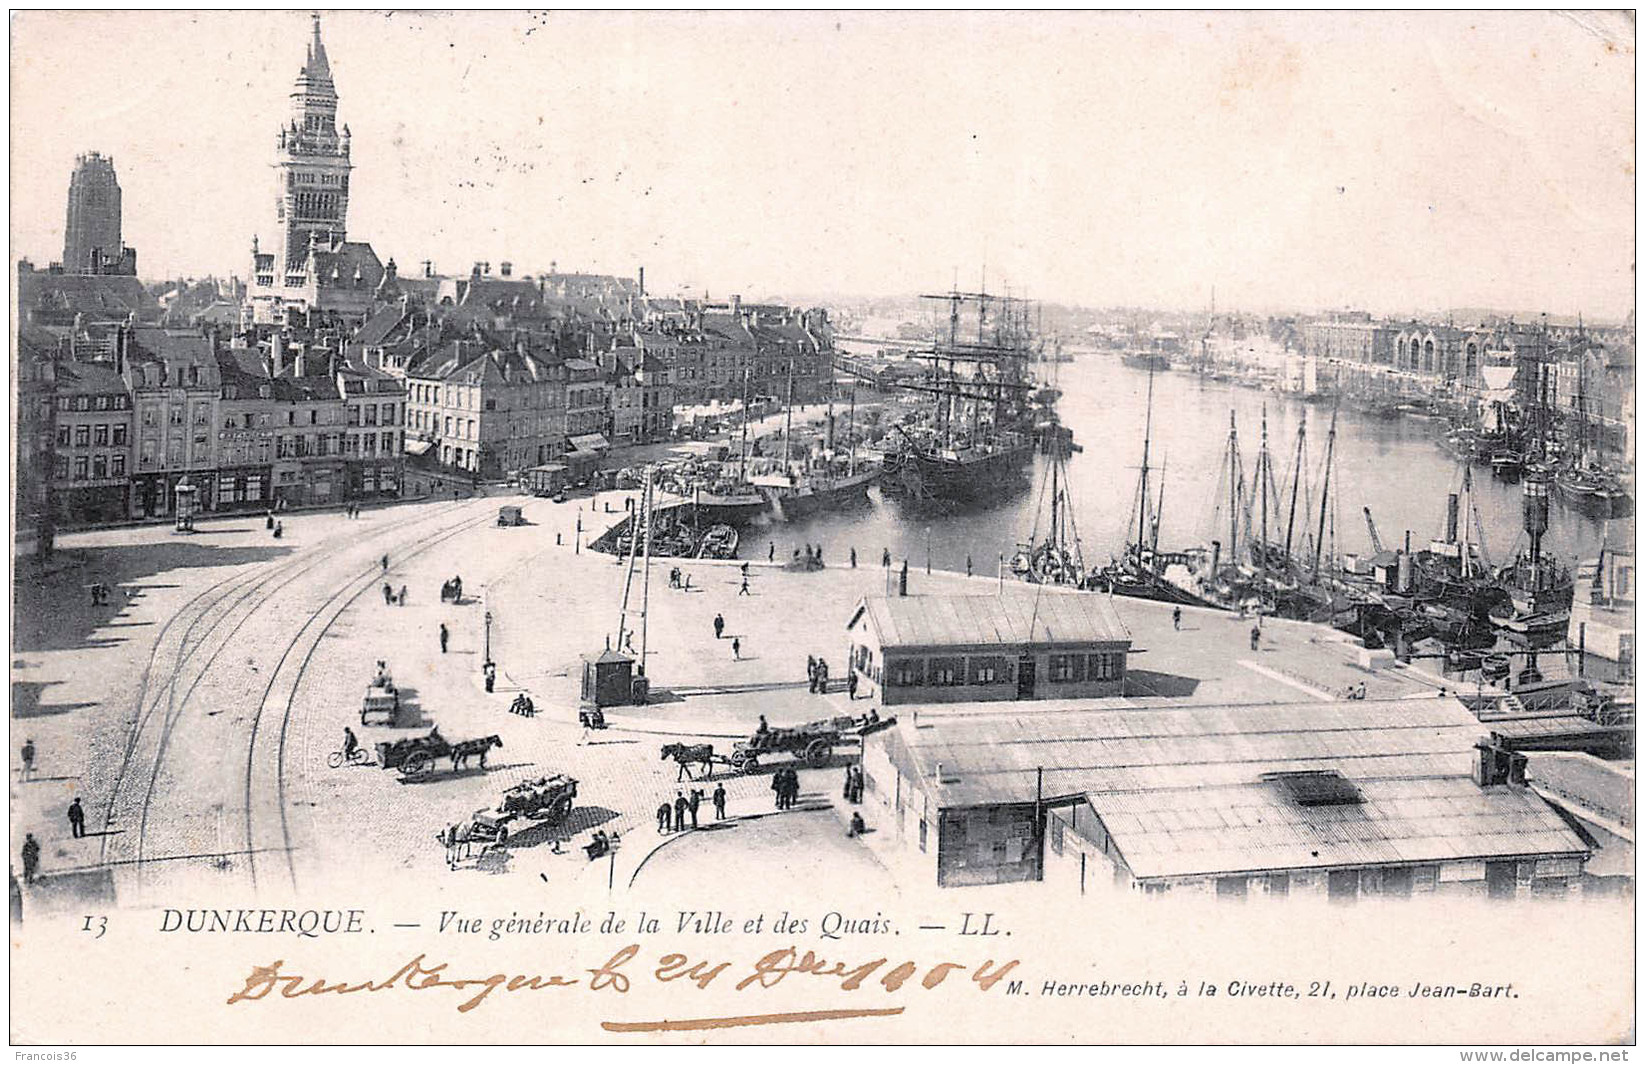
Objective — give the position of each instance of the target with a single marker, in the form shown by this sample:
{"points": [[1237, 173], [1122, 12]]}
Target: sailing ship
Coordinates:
{"points": [[979, 438], [1584, 482], [826, 482], [730, 498], [1056, 557]]}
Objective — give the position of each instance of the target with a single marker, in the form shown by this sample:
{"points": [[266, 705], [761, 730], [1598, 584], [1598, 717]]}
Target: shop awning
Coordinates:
{"points": [[418, 447], [590, 442]]}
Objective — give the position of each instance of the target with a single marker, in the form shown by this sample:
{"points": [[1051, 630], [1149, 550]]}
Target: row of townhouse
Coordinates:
{"points": [[246, 425]]}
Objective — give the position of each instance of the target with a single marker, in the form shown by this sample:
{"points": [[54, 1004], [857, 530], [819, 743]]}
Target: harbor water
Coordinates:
{"points": [[1393, 466]]}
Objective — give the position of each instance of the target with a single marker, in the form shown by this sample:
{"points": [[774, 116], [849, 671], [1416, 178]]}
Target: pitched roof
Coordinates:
{"points": [[88, 377], [1010, 619], [338, 266], [1189, 790]]}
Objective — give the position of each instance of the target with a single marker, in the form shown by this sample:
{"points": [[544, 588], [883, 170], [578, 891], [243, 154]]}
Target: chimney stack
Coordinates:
{"points": [[642, 282], [1495, 764], [508, 269]]}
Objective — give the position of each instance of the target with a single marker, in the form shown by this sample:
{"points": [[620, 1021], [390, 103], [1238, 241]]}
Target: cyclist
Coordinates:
{"points": [[350, 744]]}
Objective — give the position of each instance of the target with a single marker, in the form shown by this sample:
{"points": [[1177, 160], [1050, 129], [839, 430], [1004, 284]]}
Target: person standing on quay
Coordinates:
{"points": [[445, 637], [719, 626], [1176, 618], [663, 813], [771, 552], [695, 801], [680, 808], [77, 819], [402, 599], [853, 558], [851, 684], [719, 802], [31, 858], [28, 759], [736, 649]]}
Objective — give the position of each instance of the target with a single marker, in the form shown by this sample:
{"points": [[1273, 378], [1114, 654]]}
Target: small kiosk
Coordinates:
{"points": [[608, 679], [188, 504]]}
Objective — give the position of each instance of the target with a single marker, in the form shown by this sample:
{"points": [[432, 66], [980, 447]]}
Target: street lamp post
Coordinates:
{"points": [[928, 550], [487, 661]]}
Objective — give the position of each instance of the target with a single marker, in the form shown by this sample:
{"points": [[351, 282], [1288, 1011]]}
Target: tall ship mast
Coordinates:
{"points": [[823, 480], [978, 433]]}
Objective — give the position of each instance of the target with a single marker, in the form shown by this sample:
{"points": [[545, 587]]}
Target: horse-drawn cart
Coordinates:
{"points": [[546, 800], [812, 743], [415, 757]]}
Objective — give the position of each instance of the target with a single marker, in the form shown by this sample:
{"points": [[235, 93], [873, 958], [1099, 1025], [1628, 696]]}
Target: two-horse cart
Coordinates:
{"points": [[812, 743], [415, 757]]}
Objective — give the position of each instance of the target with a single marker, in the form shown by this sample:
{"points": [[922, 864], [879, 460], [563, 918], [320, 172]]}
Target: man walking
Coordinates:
{"points": [[851, 684], [778, 786], [680, 808], [31, 858], [968, 565], [719, 626], [696, 801], [445, 637], [1176, 618], [1256, 636], [811, 673], [28, 759], [885, 558], [719, 802], [385, 563], [402, 595], [771, 552], [744, 589], [77, 819], [736, 649], [388, 594]]}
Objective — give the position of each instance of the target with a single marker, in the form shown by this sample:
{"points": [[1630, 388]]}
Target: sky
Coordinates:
{"points": [[1307, 161]]}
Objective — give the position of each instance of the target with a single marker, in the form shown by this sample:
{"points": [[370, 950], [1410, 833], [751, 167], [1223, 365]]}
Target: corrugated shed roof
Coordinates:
{"points": [[1010, 619], [1181, 790], [1252, 827]]}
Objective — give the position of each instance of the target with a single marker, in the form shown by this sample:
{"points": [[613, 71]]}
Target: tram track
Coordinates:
{"points": [[240, 588], [336, 603]]}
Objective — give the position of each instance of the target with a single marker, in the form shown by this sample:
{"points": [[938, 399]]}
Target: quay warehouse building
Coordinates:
{"points": [[988, 783]]}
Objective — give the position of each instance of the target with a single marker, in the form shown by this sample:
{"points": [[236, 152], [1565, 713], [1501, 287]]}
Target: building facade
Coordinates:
{"points": [[90, 479], [965, 648], [175, 386]]}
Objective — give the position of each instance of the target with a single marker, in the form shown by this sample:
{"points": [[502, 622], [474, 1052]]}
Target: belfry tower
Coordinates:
{"points": [[311, 165]]}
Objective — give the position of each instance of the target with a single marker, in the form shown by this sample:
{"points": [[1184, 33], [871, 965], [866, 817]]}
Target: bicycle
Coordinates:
{"points": [[360, 756]]}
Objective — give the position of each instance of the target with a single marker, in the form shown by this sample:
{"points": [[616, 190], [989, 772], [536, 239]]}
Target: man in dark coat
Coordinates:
{"points": [[663, 813], [681, 806], [719, 626], [695, 801], [719, 802], [31, 858], [77, 819], [445, 637]]}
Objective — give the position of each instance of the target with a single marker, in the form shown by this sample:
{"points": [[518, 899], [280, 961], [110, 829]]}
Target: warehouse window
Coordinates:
{"points": [[1103, 666], [907, 673], [947, 671], [1067, 668], [986, 669]]}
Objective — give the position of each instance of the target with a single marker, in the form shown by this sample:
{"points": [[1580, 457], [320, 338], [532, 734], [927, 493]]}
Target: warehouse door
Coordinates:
{"points": [[1025, 677]]}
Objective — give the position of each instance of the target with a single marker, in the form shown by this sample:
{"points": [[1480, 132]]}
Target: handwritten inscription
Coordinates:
{"points": [[616, 975]]}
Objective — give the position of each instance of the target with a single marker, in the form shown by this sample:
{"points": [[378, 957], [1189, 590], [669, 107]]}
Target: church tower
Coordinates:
{"points": [[312, 167]]}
